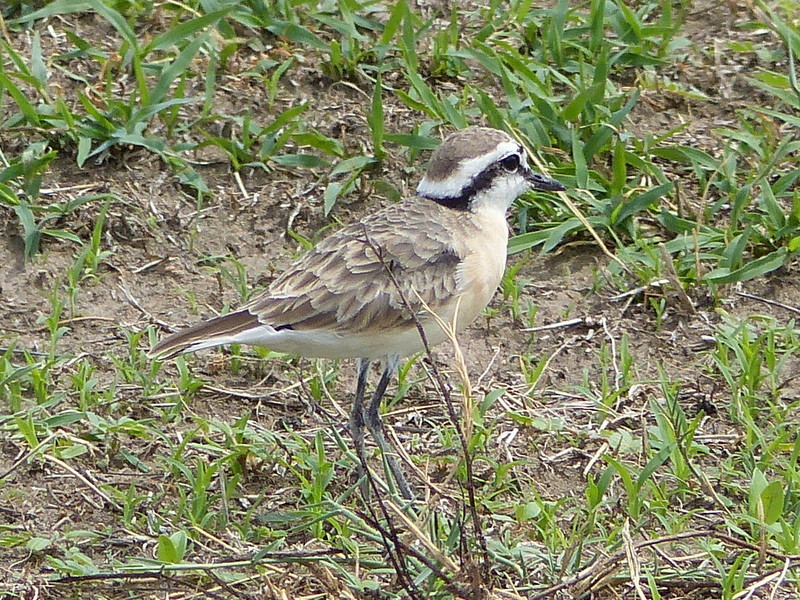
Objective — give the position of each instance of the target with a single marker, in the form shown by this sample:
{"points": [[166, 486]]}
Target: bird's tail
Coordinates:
{"points": [[214, 332]]}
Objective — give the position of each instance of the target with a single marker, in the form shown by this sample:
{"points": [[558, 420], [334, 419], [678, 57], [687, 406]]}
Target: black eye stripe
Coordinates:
{"points": [[482, 181]]}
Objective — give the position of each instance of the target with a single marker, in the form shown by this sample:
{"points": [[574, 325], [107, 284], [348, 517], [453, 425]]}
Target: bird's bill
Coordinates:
{"points": [[545, 184]]}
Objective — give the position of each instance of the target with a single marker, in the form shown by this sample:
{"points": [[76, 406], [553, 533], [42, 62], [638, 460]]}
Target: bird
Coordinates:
{"points": [[365, 291]]}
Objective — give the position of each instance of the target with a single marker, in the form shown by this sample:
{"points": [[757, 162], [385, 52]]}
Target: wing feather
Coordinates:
{"points": [[344, 283]]}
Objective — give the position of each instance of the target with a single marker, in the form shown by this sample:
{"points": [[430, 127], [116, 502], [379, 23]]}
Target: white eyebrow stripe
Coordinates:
{"points": [[467, 171]]}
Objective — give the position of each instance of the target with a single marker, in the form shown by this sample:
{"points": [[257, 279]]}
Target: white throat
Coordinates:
{"points": [[501, 195]]}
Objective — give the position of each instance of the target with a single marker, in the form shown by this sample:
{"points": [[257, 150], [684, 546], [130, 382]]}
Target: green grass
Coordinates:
{"points": [[599, 468]]}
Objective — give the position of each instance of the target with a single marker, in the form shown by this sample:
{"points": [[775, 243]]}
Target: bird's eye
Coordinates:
{"points": [[510, 163]]}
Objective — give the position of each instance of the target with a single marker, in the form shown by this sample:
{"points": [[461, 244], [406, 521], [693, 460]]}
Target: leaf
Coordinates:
{"points": [[183, 31], [774, 210], [733, 253], [604, 133], [772, 500], [62, 235], [619, 170], [27, 109], [37, 544], [167, 552], [8, 196], [331, 194], [72, 451], [31, 233], [171, 549], [596, 24], [375, 119], [145, 113], [654, 463], [524, 241], [304, 37], [758, 483], [321, 142], [175, 69], [681, 226], [179, 540], [550, 236], [573, 109], [59, 7], [393, 23], [756, 268], [38, 68], [489, 109], [153, 144], [65, 418], [629, 18], [188, 176], [792, 120], [579, 160], [306, 161], [639, 203], [487, 59], [528, 511], [287, 116], [118, 22], [408, 38], [355, 163], [687, 155], [416, 104], [490, 399], [430, 102], [84, 149]]}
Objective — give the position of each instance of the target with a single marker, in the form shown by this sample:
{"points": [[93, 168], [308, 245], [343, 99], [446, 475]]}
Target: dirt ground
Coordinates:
{"points": [[159, 241]]}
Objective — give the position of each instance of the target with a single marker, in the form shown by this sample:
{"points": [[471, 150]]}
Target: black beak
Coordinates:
{"points": [[545, 184]]}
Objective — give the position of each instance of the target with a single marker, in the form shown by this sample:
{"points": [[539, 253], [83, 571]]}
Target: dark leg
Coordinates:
{"points": [[375, 426], [357, 416]]}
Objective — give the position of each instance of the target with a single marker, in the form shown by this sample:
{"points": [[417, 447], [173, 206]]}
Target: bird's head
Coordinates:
{"points": [[480, 167]]}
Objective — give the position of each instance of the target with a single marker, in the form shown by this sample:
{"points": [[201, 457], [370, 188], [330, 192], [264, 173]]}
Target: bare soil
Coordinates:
{"points": [[157, 236]]}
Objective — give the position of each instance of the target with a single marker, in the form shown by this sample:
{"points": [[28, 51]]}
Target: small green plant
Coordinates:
{"points": [[53, 322], [172, 548], [513, 288], [751, 356]]}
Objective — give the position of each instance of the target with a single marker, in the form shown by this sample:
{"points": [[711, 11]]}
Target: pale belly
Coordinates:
{"points": [[400, 341]]}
